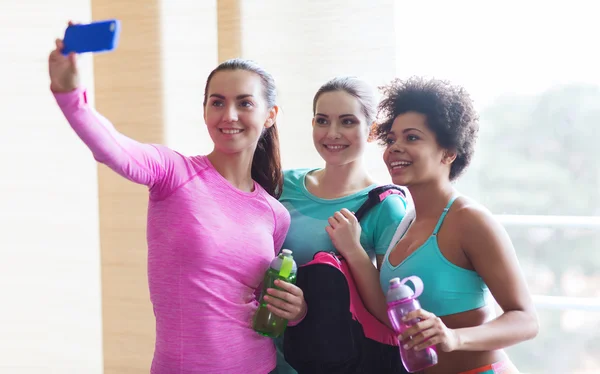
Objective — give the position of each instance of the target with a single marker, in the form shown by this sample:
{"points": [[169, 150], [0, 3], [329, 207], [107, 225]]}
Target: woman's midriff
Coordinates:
{"points": [[460, 361]]}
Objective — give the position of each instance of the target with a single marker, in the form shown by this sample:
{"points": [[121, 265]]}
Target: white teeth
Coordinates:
{"points": [[400, 163], [231, 131], [335, 147]]}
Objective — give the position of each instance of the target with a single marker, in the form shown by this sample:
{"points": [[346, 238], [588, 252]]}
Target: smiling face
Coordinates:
{"points": [[236, 112], [413, 155], [340, 129]]}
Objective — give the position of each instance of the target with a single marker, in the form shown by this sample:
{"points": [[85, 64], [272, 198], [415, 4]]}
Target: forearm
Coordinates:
{"points": [[510, 328], [366, 278], [133, 160]]}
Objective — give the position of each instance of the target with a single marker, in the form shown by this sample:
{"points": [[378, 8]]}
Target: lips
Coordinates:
{"points": [[399, 164], [231, 131], [335, 147]]}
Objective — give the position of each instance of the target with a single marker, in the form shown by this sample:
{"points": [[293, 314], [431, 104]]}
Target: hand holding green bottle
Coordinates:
{"points": [[280, 300]]}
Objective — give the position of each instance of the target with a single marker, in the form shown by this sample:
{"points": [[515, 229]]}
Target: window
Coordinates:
{"points": [[533, 72]]}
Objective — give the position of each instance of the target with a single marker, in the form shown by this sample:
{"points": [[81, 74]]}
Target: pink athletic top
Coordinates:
{"points": [[209, 245]]}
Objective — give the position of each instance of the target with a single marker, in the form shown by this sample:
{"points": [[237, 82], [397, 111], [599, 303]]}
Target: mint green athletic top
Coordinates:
{"points": [[309, 215], [448, 289]]}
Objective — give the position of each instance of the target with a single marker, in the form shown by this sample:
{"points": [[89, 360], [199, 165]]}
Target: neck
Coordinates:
{"points": [[340, 180], [236, 168], [431, 198]]}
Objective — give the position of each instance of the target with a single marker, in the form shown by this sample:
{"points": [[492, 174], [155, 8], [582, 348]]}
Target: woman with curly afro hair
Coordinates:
{"points": [[462, 255]]}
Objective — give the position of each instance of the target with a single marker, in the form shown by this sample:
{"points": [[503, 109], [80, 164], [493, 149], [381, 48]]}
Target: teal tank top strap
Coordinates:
{"points": [[446, 209]]}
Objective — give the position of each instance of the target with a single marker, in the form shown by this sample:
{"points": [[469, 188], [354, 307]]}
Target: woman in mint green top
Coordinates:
{"points": [[456, 246], [344, 111], [310, 215]]}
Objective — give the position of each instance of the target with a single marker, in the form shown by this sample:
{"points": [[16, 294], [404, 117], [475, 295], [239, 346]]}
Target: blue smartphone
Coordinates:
{"points": [[100, 36]]}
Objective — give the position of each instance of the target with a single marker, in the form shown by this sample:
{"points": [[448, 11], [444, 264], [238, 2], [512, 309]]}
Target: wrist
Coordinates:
{"points": [[57, 89], [459, 339], [355, 252], [300, 318]]}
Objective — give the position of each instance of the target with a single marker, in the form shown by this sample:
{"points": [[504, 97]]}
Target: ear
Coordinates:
{"points": [[449, 157], [272, 117]]}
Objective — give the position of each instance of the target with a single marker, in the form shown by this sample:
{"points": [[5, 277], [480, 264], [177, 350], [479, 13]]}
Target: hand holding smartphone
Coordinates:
{"points": [[95, 37]]}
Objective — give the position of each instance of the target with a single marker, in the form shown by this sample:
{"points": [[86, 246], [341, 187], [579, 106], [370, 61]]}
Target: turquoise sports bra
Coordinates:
{"points": [[448, 289]]}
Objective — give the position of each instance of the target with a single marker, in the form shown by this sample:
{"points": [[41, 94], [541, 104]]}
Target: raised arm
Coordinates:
{"points": [[344, 231], [140, 163]]}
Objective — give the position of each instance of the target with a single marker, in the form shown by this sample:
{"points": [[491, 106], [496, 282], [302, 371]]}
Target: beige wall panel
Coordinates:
{"points": [[128, 92], [229, 26]]}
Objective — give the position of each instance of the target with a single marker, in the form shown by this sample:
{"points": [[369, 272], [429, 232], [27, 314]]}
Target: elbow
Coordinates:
{"points": [[535, 329], [101, 155], [533, 325], [384, 318], [113, 161], [102, 159]]}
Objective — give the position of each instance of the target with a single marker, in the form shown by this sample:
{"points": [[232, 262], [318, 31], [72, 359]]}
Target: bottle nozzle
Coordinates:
{"points": [[286, 252]]}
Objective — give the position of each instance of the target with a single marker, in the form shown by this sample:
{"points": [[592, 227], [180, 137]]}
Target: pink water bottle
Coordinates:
{"points": [[401, 300]]}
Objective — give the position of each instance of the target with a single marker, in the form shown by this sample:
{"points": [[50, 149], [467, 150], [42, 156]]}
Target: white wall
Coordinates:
{"points": [[50, 301]]}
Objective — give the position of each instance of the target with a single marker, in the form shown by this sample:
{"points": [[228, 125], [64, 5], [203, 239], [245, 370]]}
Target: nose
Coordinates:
{"points": [[230, 114], [396, 148], [333, 132]]}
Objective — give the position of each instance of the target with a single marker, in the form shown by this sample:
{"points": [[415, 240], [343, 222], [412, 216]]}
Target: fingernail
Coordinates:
{"points": [[405, 346]]}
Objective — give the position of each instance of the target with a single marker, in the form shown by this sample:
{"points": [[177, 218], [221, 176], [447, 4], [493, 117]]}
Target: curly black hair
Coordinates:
{"points": [[448, 108]]}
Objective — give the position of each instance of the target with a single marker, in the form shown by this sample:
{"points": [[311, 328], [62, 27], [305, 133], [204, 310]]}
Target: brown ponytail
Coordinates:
{"points": [[266, 164]]}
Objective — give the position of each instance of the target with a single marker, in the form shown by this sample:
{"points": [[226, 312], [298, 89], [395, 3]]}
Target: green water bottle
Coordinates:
{"points": [[282, 267]]}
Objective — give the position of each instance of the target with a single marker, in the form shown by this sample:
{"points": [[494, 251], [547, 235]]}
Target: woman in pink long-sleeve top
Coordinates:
{"points": [[214, 222]]}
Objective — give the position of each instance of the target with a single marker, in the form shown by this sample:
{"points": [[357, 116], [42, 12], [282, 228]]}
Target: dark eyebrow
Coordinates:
{"points": [[342, 116], [238, 97], [412, 128]]}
